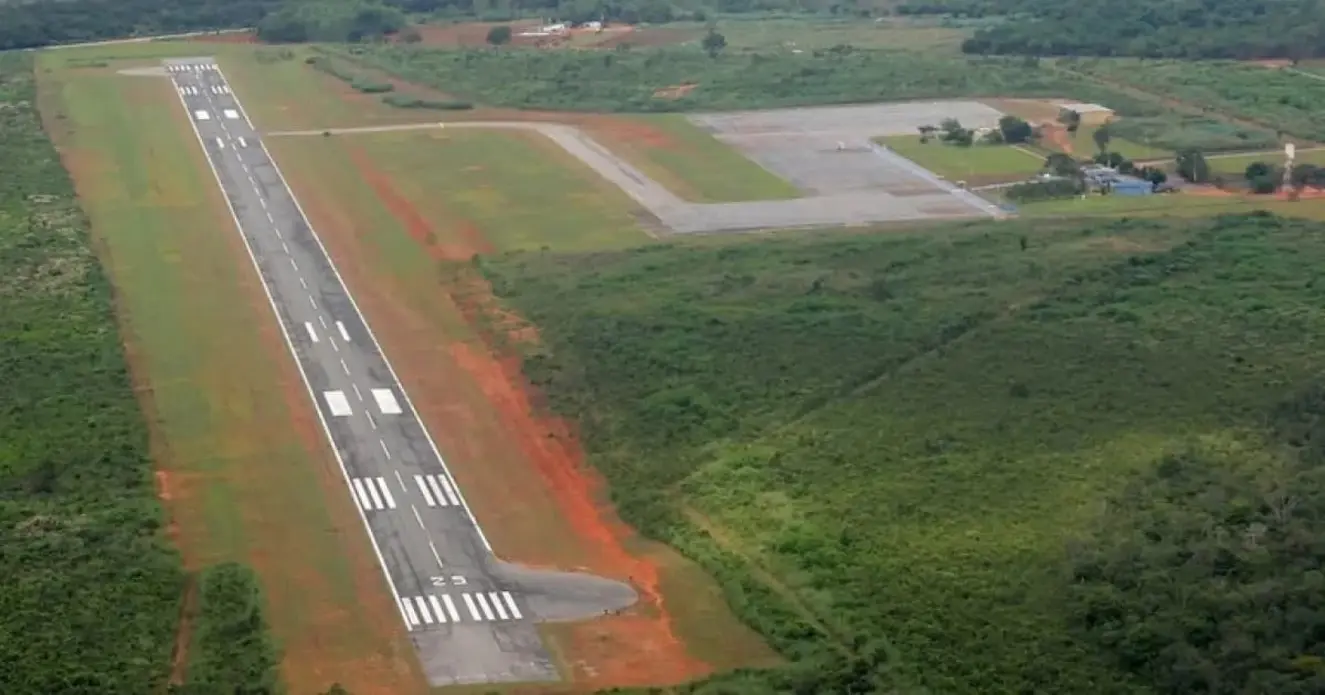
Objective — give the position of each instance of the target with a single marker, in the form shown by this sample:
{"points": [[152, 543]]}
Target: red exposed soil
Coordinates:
{"points": [[631, 133], [1057, 136], [1207, 192], [675, 91]]}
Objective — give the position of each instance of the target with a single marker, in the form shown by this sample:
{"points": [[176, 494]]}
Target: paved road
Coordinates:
{"points": [[937, 199], [470, 616]]}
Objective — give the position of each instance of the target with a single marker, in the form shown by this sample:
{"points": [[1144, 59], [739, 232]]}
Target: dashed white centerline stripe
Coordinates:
{"points": [[343, 333], [427, 496], [312, 303], [483, 603], [294, 265], [312, 334], [334, 346], [384, 449], [450, 608], [436, 557], [285, 247], [347, 371], [371, 421], [263, 202], [302, 283], [356, 391], [403, 490], [418, 518], [510, 603], [324, 325], [469, 603]]}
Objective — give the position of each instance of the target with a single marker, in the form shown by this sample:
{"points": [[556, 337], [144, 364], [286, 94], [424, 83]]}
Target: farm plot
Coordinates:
{"points": [[225, 401]]}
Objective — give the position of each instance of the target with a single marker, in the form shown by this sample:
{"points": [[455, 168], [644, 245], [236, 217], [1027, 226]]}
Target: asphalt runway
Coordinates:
{"points": [[471, 617]]}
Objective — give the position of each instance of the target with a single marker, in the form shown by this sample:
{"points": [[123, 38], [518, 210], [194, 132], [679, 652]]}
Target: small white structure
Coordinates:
{"points": [[593, 26]]}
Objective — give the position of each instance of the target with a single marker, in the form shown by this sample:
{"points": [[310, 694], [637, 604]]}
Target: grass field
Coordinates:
{"points": [[892, 439], [400, 212], [1238, 164], [225, 402], [976, 165], [688, 161], [815, 34]]}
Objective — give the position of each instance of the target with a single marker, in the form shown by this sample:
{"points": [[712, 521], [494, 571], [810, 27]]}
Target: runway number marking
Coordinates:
{"points": [[454, 580]]}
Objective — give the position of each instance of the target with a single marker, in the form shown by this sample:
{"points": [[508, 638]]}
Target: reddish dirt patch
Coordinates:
{"points": [[675, 91], [1207, 192], [639, 646], [462, 245], [179, 653], [1057, 136], [228, 37], [632, 133]]}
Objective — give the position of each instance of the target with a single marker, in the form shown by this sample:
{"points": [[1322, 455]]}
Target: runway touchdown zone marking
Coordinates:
{"points": [[437, 490], [386, 402], [490, 606], [372, 494], [337, 403], [202, 115]]}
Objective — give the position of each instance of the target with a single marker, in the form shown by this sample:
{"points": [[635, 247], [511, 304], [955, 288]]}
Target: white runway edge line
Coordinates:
{"points": [[368, 329], [289, 345]]}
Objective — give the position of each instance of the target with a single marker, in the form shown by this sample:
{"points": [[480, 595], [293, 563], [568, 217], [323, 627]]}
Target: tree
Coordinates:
{"points": [[1102, 136], [1264, 184], [1256, 170], [1193, 167], [714, 42], [1154, 175], [499, 35], [1070, 120], [1110, 159], [1015, 130], [955, 134], [1060, 164], [927, 132]]}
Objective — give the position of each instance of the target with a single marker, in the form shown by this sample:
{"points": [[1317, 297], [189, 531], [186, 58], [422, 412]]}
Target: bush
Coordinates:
{"points": [[1043, 190], [231, 651], [370, 86], [406, 101]]}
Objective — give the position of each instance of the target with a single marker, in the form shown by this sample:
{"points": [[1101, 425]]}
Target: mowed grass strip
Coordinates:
{"points": [[516, 190], [689, 162], [245, 471], [975, 164]]}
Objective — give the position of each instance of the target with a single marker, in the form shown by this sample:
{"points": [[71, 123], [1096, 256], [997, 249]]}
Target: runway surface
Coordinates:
{"points": [[471, 617]]}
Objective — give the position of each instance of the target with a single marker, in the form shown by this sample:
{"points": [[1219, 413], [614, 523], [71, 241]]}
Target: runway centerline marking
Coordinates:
{"points": [[312, 334], [435, 556], [285, 247], [302, 283], [324, 325], [294, 265], [418, 518], [356, 392], [312, 303], [384, 449], [346, 368], [371, 421], [334, 346]]}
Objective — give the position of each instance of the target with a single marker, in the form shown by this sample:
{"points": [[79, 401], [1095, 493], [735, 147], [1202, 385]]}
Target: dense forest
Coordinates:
{"points": [[1048, 457], [1179, 29], [91, 588]]}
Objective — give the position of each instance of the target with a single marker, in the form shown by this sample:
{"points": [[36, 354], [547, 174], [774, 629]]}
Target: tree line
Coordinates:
{"points": [[1232, 29]]}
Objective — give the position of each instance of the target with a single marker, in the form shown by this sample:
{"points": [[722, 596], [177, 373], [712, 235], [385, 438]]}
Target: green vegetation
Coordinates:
{"points": [[973, 164], [231, 651], [1281, 99], [91, 588], [892, 448], [296, 21], [358, 82], [636, 80], [1175, 132], [1181, 29], [407, 101]]}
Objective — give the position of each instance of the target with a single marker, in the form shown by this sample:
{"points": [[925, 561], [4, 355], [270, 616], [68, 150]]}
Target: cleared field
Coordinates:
{"points": [[401, 212], [1193, 204], [1238, 164], [978, 164], [243, 469], [687, 161], [813, 35]]}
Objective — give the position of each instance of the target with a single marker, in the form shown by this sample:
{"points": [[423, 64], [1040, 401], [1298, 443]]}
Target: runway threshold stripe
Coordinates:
{"points": [[377, 499], [469, 603], [510, 603], [423, 610], [427, 496], [409, 611], [432, 483], [450, 492], [386, 493], [363, 496], [450, 609], [496, 605], [437, 609], [483, 603]]}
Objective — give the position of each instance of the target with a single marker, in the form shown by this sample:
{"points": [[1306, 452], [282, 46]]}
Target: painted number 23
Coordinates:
{"points": [[453, 580]]}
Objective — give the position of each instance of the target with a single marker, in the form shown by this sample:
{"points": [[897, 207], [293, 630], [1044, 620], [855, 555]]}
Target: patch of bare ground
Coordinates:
{"points": [[675, 91]]}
